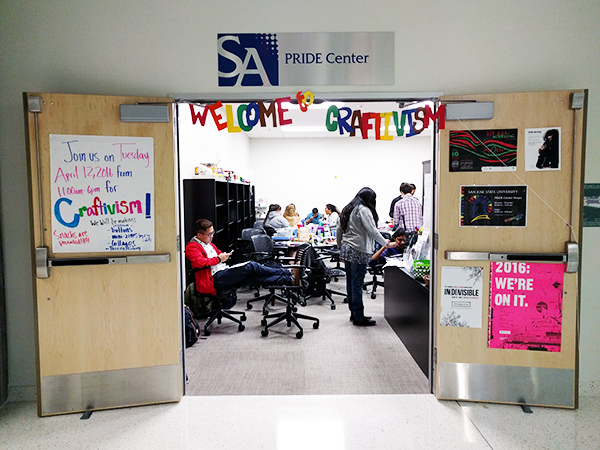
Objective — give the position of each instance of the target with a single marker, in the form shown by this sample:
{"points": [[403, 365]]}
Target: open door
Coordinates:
{"points": [[103, 204], [510, 213]]}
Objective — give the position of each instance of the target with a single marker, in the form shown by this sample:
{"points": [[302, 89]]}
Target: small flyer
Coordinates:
{"points": [[542, 149], [483, 150], [526, 306], [495, 206], [461, 296]]}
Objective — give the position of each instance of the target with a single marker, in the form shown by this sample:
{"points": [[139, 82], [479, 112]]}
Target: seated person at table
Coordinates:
{"points": [[393, 248], [274, 219], [291, 215], [314, 217], [332, 215], [214, 275]]}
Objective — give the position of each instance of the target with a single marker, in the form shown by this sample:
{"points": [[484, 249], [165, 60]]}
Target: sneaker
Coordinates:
{"points": [[366, 317], [364, 323]]}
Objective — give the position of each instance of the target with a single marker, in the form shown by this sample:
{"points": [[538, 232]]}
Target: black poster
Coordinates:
{"points": [[493, 206], [591, 205], [483, 150]]}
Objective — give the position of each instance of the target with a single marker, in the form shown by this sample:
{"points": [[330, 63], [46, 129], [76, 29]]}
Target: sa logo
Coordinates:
{"points": [[247, 60]]}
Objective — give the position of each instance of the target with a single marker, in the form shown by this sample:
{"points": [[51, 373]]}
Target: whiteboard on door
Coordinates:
{"points": [[102, 193]]}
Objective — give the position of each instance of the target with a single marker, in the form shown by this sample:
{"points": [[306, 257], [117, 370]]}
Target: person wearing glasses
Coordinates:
{"points": [[214, 275]]}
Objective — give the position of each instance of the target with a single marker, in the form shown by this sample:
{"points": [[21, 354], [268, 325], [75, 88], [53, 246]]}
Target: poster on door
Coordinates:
{"points": [[525, 311], [462, 296], [102, 193], [542, 149], [496, 206], [483, 150]]}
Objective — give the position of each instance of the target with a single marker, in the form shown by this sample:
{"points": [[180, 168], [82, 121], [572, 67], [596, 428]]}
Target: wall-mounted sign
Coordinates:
{"points": [[462, 294], [526, 306], [591, 205], [483, 150], [296, 59], [542, 149], [102, 193], [493, 206]]}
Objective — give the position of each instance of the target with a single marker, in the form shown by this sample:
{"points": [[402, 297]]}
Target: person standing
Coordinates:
{"points": [[356, 233], [408, 212]]}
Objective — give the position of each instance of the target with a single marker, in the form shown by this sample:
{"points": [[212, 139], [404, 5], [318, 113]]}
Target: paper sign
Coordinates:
{"points": [[102, 193], [496, 206], [461, 296], [542, 149], [526, 306], [483, 150]]}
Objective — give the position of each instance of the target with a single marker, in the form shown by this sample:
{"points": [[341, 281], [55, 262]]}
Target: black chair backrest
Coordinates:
{"points": [[262, 243], [247, 233], [386, 234], [258, 224], [270, 230]]}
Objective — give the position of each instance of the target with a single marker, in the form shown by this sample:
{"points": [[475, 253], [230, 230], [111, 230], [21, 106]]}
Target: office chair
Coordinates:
{"points": [[243, 245], [264, 253], [219, 307], [290, 315], [318, 275], [375, 269], [270, 230]]}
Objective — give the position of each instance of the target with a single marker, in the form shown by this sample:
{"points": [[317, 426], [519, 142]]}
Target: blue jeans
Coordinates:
{"points": [[355, 277], [252, 274]]}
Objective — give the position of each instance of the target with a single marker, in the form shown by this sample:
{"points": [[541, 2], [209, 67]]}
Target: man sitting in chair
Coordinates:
{"points": [[214, 275]]}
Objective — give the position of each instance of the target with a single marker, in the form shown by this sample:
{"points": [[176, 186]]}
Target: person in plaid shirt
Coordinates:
{"points": [[408, 212]]}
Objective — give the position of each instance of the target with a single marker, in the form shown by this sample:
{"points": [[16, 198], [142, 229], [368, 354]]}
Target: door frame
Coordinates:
{"points": [[209, 98]]}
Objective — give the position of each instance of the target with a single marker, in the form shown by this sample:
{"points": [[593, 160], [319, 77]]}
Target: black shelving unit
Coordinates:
{"points": [[228, 205]]}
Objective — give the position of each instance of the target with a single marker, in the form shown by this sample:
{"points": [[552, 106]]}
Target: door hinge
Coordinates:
{"points": [[434, 356], [435, 241]]}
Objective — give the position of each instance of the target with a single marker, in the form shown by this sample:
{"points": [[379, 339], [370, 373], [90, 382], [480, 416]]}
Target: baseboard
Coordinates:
{"points": [[22, 394], [589, 389]]}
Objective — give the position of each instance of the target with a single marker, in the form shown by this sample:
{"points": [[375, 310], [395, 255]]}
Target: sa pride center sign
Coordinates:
{"points": [[318, 59]]}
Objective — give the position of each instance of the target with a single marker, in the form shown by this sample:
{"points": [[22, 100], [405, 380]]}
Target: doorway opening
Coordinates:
{"points": [[305, 164]]}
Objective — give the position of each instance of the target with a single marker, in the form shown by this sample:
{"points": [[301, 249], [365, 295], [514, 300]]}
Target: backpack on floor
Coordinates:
{"points": [[192, 329]]}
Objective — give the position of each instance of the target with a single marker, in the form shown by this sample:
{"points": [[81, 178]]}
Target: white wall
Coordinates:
{"points": [[169, 46], [313, 172], [206, 144]]}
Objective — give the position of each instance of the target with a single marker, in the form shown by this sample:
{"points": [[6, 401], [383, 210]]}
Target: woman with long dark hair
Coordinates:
{"points": [[274, 218], [332, 215], [356, 233]]}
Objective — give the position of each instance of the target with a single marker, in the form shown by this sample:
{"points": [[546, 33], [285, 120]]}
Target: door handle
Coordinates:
{"points": [[43, 263], [570, 257]]}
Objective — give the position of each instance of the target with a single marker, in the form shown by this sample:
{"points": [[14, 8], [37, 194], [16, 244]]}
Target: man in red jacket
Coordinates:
{"points": [[214, 275]]}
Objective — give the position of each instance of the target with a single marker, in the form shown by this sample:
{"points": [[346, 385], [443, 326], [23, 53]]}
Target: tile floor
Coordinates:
{"points": [[332, 422]]}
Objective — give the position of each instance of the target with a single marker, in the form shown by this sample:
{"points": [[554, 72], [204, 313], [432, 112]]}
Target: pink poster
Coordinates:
{"points": [[525, 306]]}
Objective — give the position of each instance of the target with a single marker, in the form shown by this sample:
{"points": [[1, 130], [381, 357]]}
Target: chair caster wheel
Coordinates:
{"points": [[316, 325], [248, 305], [332, 306], [373, 295], [257, 294], [264, 333], [263, 323], [364, 288], [345, 300], [206, 332], [241, 327], [294, 309], [299, 334], [243, 318]]}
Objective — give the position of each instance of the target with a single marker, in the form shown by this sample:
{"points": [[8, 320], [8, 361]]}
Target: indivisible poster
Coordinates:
{"points": [[461, 296], [102, 193], [591, 205], [526, 306], [483, 150], [542, 149], [495, 206]]}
